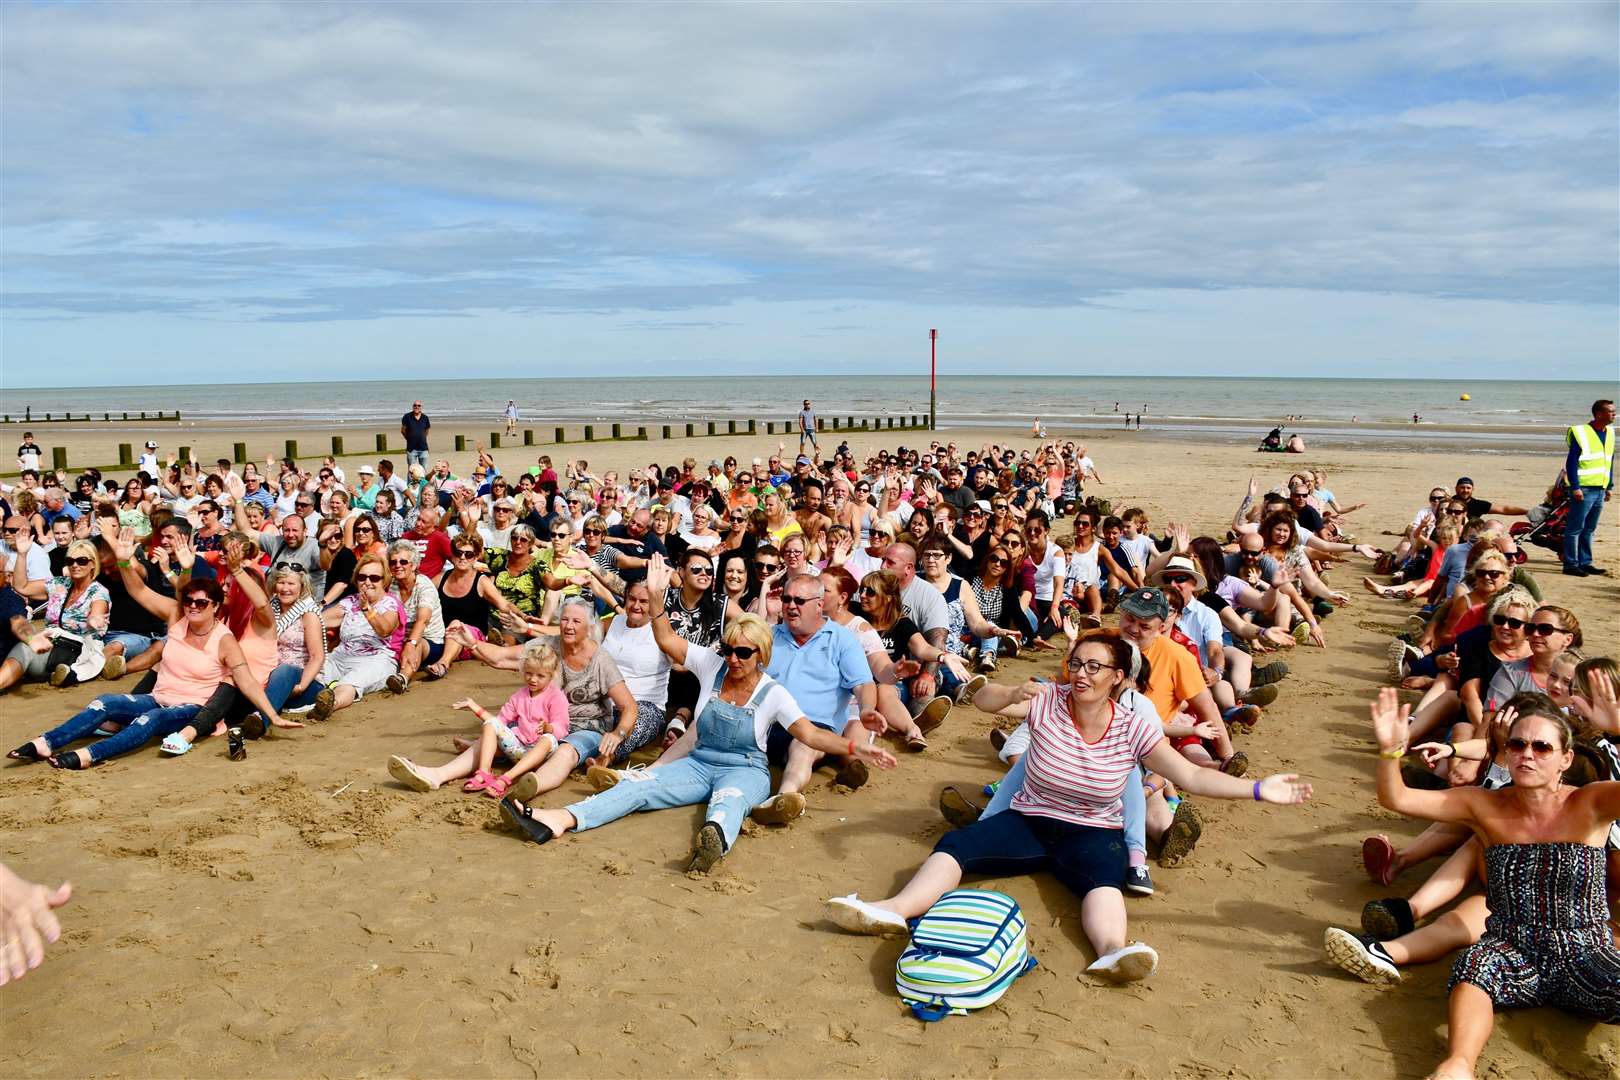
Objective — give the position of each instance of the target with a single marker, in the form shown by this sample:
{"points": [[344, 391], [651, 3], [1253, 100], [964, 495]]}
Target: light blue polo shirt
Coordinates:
{"points": [[822, 673]]}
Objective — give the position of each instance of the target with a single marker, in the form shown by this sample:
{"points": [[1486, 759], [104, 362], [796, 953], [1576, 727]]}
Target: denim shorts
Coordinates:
{"points": [[134, 644]]}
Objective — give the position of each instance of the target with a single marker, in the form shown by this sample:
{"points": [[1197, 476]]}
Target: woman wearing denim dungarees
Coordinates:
{"points": [[722, 759]]}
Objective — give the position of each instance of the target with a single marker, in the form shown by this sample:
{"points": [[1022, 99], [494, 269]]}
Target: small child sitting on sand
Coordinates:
{"points": [[528, 729]]}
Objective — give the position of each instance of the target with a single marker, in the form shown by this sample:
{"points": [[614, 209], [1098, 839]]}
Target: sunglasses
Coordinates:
{"points": [[741, 652], [1437, 498], [1456, 509], [705, 570], [1253, 556], [1540, 747], [595, 532], [867, 590], [1545, 629], [766, 565], [196, 603], [998, 559], [399, 562], [12, 532], [1177, 579], [1015, 543], [373, 578], [290, 568], [466, 553], [1508, 621], [358, 529], [80, 560], [788, 600], [1490, 575]]}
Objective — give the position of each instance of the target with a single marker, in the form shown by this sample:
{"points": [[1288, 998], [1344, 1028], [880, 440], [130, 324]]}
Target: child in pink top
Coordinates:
{"points": [[531, 725]]}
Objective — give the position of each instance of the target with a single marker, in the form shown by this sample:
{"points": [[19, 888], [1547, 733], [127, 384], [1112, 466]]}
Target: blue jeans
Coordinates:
{"points": [[143, 717], [134, 644], [731, 788], [416, 457], [1134, 802], [1580, 525], [279, 689]]}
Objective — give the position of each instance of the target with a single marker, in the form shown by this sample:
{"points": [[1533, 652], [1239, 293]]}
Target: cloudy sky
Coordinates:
{"points": [[234, 191]]}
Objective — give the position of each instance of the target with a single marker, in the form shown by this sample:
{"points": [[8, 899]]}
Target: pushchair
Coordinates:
{"points": [[1544, 526]]}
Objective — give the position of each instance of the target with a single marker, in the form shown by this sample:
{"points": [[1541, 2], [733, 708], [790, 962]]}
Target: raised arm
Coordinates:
{"points": [[673, 645], [1389, 718], [164, 607]]}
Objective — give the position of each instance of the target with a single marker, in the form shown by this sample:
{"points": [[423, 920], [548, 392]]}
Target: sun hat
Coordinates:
{"points": [[1180, 564]]}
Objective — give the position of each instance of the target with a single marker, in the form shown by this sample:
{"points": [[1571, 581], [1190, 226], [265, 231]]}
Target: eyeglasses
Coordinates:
{"points": [[1540, 747], [196, 603], [80, 560], [1015, 543], [789, 600], [1507, 621], [373, 578], [741, 652], [933, 554], [707, 571], [1545, 629], [1090, 667]]}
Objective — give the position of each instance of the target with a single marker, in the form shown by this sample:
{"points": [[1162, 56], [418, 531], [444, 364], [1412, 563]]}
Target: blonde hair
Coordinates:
{"points": [[305, 588], [753, 630], [84, 547], [365, 561], [885, 607], [541, 656]]}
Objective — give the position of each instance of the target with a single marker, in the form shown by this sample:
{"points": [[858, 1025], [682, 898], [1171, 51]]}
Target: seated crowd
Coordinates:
{"points": [[790, 612]]}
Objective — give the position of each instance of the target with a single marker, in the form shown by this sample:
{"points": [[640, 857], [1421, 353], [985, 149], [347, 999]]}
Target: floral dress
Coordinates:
{"points": [[522, 589]]}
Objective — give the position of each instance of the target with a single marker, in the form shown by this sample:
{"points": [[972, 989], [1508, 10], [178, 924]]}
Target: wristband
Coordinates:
{"points": [[1393, 755], [124, 564], [1257, 792], [852, 748]]}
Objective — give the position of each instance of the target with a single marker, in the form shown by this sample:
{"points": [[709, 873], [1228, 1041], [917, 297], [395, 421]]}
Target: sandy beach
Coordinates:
{"points": [[298, 913]]}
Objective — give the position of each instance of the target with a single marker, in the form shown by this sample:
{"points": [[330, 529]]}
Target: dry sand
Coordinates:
{"points": [[298, 913]]}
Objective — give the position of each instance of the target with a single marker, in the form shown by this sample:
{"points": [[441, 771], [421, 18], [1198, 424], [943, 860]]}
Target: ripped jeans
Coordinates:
{"points": [[143, 719]]}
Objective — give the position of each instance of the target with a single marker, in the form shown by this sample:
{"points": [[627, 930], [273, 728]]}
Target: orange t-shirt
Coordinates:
{"points": [[1176, 675]]}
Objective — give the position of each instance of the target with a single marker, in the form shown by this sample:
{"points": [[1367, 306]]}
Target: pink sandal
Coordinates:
{"points": [[497, 787], [480, 781]]}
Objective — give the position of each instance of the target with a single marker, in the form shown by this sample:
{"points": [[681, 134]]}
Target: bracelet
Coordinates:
{"points": [[852, 748], [1257, 791], [124, 564], [1393, 755]]}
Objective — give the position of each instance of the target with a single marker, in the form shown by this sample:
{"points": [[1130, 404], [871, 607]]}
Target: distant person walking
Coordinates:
{"points": [[414, 426], [1589, 469], [511, 416], [807, 426]]}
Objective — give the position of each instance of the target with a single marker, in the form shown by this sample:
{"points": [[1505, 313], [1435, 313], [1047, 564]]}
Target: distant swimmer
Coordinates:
{"points": [[1116, 406], [1416, 419]]}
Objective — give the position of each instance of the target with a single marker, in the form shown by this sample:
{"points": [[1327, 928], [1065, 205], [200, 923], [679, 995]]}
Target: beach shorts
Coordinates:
{"points": [[35, 666], [1082, 857]]}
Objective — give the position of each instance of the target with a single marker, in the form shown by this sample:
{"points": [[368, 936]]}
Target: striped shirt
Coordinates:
{"points": [[1075, 781]]}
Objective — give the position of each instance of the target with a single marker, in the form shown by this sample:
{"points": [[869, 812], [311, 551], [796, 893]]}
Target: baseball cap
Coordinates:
{"points": [[1461, 480], [150, 445], [982, 505], [716, 463], [1146, 604]]}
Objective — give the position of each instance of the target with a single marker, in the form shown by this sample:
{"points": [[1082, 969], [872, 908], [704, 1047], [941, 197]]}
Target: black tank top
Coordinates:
{"points": [[470, 610]]}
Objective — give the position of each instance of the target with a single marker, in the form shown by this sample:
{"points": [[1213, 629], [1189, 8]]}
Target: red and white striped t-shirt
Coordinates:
{"points": [[1075, 781]]}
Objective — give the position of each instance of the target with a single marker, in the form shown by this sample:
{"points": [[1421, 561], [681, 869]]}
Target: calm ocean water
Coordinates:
{"points": [[1229, 407]]}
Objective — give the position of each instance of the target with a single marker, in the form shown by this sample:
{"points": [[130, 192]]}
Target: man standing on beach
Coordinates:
{"points": [[807, 426], [1589, 469], [414, 426], [511, 416]]}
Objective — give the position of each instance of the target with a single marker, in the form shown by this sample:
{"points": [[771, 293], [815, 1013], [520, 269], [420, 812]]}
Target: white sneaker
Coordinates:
{"points": [[1360, 956], [858, 917], [1133, 962], [965, 692]]}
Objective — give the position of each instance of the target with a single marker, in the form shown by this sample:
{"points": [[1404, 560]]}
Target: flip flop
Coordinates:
{"points": [[406, 772], [435, 672], [858, 917], [174, 745], [1378, 856]]}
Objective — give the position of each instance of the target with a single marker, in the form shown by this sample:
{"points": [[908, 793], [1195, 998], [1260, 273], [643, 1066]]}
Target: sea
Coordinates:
{"points": [[1351, 411]]}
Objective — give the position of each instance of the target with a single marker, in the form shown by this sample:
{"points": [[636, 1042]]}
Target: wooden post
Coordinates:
{"points": [[617, 432], [292, 449], [382, 443], [690, 430], [666, 431], [711, 427], [561, 437], [59, 458], [337, 446], [126, 416], [641, 433], [528, 436], [126, 455], [751, 427], [143, 415], [461, 443], [239, 453], [590, 432], [494, 440], [770, 427], [105, 416], [835, 423]]}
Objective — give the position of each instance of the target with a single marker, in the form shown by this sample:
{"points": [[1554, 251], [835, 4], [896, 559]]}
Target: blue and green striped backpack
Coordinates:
{"points": [[965, 952]]}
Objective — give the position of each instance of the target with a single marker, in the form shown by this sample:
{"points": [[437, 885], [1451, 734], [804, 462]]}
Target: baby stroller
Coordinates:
{"points": [[1545, 524]]}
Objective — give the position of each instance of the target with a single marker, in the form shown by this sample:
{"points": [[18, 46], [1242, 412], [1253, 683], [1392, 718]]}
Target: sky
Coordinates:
{"points": [[248, 192]]}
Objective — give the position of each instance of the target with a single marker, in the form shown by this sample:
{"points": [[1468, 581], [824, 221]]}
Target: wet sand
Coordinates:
{"points": [[298, 913]]}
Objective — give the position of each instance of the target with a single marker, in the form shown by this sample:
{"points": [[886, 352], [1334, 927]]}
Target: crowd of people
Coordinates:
{"points": [[738, 625]]}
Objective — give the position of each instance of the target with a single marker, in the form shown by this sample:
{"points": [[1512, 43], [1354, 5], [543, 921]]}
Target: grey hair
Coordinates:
{"points": [[589, 608], [523, 531], [814, 579], [406, 547], [1512, 596]]}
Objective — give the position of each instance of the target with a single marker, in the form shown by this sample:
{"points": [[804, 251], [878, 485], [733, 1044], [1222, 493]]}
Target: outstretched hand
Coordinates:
{"points": [[1389, 719], [27, 922], [1284, 789]]}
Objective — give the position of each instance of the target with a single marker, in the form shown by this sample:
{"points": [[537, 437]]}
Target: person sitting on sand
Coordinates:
{"points": [[723, 760], [370, 626], [1547, 941], [420, 612], [200, 654], [528, 730], [1068, 815]]}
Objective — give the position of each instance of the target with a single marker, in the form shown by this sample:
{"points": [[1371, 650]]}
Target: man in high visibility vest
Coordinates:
{"points": [[1590, 471]]}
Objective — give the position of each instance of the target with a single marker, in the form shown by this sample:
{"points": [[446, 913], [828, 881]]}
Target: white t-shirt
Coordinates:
{"points": [[776, 705], [1083, 568], [423, 593], [1052, 565], [642, 663], [1139, 549], [862, 562]]}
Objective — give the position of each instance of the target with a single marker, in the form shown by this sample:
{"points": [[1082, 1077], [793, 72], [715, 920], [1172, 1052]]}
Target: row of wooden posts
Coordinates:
{"points": [[239, 454], [28, 417]]}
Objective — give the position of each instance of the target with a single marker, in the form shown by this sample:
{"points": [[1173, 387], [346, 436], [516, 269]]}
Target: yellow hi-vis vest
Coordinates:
{"points": [[1597, 455]]}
